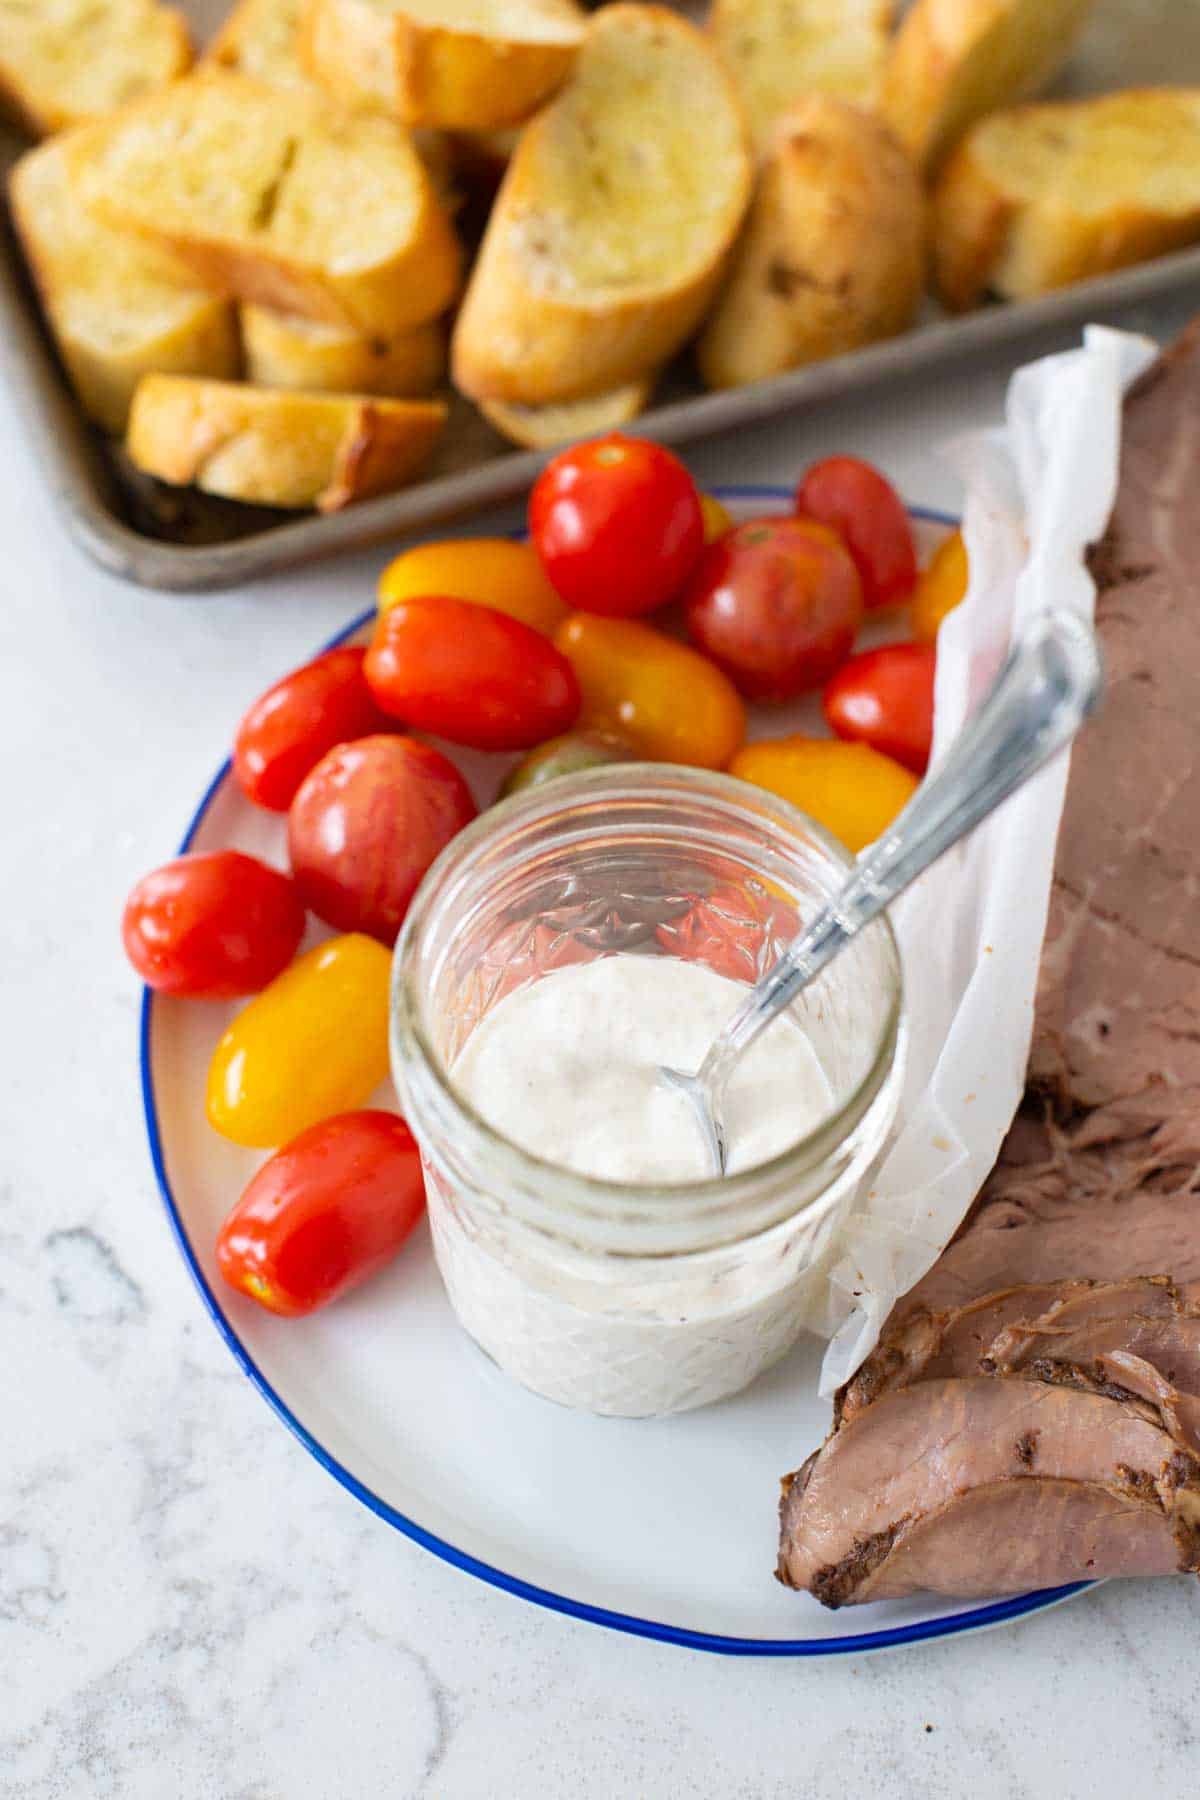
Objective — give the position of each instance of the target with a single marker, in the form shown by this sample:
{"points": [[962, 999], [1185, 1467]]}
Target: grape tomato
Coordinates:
{"points": [[496, 572], [289, 728], [885, 698], [214, 925], [863, 507], [669, 702]]}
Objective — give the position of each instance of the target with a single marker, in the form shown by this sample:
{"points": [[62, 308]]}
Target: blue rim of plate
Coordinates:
{"points": [[997, 1612]]}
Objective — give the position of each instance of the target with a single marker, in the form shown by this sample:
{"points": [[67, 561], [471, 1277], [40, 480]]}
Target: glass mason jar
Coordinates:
{"points": [[612, 1297]]}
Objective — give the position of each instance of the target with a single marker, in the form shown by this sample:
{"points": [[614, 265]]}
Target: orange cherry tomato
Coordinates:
{"points": [[941, 585], [495, 572], [617, 524], [717, 517], [849, 788], [470, 674], [313, 1043], [324, 1213], [869, 516], [669, 702], [885, 698]]}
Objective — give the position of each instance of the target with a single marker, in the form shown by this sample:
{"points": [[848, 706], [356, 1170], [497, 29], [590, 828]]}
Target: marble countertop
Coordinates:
{"points": [[188, 1605]]}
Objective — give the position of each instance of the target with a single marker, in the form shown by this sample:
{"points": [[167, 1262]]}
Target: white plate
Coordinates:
{"points": [[665, 1528]]}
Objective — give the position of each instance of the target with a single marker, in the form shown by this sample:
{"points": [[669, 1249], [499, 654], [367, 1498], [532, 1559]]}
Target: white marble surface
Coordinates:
{"points": [[188, 1605]]}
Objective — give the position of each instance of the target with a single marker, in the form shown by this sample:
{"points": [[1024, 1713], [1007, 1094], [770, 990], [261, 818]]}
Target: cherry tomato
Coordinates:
{"points": [[617, 524], [470, 674], [366, 825], [212, 926], [738, 930], [849, 788], [717, 517], [941, 585], [868, 514], [493, 572], [566, 756], [290, 727], [776, 603], [313, 1043], [324, 1213], [885, 698], [670, 703]]}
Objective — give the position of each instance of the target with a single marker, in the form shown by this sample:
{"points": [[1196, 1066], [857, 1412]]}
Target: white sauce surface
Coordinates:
{"points": [[567, 1067]]}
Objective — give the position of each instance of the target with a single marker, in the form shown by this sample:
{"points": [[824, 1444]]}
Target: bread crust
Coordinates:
{"points": [[833, 253], [284, 351], [272, 448], [435, 74], [543, 427], [531, 331]]}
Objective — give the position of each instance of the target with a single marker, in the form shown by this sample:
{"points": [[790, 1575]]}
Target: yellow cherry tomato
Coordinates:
{"points": [[313, 1043], [852, 790], [717, 518], [493, 572], [940, 587], [669, 702]]}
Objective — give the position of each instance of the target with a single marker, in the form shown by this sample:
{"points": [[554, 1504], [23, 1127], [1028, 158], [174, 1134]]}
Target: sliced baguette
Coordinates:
{"points": [[118, 309], [614, 222], [1041, 196], [278, 449], [284, 199], [64, 61], [542, 427], [833, 254], [283, 351], [779, 50], [462, 65], [953, 61]]}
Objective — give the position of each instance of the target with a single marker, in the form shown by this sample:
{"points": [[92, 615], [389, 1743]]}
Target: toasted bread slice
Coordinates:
{"points": [[1041, 196], [283, 351], [953, 61], [614, 222], [278, 449], [118, 309], [285, 199], [463, 65], [64, 61], [780, 50], [833, 254], [261, 39], [542, 427]]}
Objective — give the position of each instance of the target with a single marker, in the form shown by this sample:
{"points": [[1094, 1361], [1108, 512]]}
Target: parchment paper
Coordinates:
{"points": [[1039, 491]]}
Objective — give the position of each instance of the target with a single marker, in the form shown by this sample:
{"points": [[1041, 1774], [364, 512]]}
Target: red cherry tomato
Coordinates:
{"points": [[471, 675], [776, 603], [884, 698], [212, 926], [324, 1213], [365, 826], [289, 728], [868, 514], [618, 524]]}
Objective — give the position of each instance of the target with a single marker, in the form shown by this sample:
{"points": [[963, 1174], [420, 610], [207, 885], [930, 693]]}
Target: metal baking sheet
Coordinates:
{"points": [[184, 542]]}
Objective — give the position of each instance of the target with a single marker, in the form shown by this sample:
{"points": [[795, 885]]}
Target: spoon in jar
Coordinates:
{"points": [[1051, 681]]}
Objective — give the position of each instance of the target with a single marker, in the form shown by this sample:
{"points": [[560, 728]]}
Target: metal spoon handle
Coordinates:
{"points": [[1048, 686]]}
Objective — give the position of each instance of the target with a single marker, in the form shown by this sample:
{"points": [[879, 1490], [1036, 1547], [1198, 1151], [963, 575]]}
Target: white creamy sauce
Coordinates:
{"points": [[567, 1067]]}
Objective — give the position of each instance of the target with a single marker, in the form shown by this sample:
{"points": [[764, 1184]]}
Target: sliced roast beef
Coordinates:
{"points": [[1169, 1344], [915, 1453], [925, 1346]]}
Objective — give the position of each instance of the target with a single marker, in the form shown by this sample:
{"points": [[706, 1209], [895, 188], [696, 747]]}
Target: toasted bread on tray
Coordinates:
{"points": [[953, 61], [63, 61], [541, 427], [117, 307], [615, 219], [470, 65], [779, 50], [833, 254], [274, 448], [282, 198], [1041, 196], [285, 351]]}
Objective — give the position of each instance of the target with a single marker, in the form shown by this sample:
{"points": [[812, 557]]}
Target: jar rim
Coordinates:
{"points": [[590, 1194]]}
